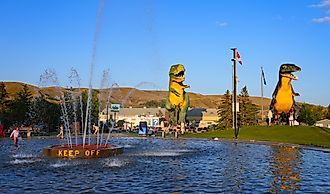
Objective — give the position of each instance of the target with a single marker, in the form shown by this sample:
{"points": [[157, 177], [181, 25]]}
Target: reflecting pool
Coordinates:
{"points": [[153, 165]]}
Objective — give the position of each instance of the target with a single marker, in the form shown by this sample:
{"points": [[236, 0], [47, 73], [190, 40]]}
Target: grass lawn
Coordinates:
{"points": [[304, 135]]}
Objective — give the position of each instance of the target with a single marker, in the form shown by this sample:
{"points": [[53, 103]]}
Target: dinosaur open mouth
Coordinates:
{"points": [[290, 75], [293, 76], [180, 74]]}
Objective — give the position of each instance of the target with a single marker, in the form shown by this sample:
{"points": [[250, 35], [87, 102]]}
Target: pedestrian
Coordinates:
{"points": [[61, 133], [15, 135], [291, 118], [2, 130], [270, 116], [95, 128]]}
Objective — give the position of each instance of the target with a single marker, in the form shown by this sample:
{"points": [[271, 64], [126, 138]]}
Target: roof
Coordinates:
{"points": [[129, 112], [324, 122]]}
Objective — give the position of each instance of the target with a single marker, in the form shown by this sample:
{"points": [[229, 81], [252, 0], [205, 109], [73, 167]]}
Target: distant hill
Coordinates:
{"points": [[135, 97]]}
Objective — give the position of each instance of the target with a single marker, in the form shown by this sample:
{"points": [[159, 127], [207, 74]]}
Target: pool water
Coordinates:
{"points": [[153, 165]]}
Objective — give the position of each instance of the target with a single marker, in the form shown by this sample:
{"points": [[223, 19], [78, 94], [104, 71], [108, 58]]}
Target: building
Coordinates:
{"points": [[133, 116], [202, 117], [197, 117], [323, 123]]}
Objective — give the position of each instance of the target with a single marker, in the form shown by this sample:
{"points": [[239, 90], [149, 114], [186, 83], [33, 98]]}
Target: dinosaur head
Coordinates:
{"points": [[177, 73], [287, 69]]}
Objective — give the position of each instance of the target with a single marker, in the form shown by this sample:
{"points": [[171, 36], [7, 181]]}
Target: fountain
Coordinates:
{"points": [[71, 108], [68, 102]]}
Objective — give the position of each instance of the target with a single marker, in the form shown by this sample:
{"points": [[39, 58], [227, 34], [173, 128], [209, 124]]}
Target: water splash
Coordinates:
{"points": [[114, 163], [25, 161], [49, 78], [74, 80], [107, 109], [104, 93], [96, 34]]}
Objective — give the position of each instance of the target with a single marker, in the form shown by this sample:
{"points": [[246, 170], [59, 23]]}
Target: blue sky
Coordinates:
{"points": [[138, 41]]}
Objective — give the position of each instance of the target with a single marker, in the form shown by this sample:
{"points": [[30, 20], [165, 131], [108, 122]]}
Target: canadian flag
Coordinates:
{"points": [[238, 58]]}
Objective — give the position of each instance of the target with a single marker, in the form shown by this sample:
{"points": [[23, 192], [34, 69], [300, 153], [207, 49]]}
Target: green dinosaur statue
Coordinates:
{"points": [[178, 100], [283, 96]]}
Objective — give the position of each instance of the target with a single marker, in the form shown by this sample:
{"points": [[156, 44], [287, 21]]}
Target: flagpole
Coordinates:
{"points": [[234, 92], [262, 95], [232, 97]]}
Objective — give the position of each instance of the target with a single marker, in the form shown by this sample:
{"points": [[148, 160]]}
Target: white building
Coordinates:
{"points": [[201, 117], [133, 116], [323, 123]]}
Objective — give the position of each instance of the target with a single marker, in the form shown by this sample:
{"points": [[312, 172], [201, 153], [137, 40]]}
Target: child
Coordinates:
{"points": [[15, 135], [61, 134]]}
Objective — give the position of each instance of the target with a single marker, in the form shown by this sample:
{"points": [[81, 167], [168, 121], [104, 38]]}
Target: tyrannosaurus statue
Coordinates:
{"points": [[283, 95], [178, 100]]}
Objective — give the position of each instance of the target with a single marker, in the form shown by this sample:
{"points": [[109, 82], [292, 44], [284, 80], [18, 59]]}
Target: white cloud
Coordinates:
{"points": [[322, 20], [324, 3], [221, 24]]}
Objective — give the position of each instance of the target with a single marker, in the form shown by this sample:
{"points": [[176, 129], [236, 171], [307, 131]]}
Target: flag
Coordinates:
{"points": [[263, 76], [238, 58]]}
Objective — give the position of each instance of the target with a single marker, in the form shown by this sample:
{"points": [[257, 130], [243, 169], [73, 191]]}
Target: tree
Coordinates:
{"points": [[224, 112], [20, 107], [328, 112], [4, 102], [309, 114], [247, 114], [45, 112]]}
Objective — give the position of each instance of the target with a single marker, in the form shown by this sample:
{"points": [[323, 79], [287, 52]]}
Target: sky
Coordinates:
{"points": [[137, 41]]}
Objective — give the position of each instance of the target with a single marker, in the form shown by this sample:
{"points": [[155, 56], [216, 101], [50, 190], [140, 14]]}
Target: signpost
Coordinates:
{"points": [[114, 108]]}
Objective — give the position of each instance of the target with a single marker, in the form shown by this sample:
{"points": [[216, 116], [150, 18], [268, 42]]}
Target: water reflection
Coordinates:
{"points": [[234, 168], [285, 166]]}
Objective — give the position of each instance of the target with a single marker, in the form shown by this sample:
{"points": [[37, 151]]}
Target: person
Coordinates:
{"points": [[291, 119], [95, 128], [15, 135], [61, 134], [29, 131], [2, 130], [270, 116]]}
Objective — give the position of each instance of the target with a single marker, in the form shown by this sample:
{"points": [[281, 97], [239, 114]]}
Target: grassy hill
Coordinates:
{"points": [[135, 97]]}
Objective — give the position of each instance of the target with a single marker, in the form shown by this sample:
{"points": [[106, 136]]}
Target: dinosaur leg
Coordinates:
{"points": [[296, 110], [183, 112], [172, 114]]}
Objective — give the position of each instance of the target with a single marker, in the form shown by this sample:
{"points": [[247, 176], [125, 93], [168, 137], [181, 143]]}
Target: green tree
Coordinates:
{"points": [[224, 112], [4, 102], [328, 112], [309, 114], [20, 107], [45, 112], [247, 114]]}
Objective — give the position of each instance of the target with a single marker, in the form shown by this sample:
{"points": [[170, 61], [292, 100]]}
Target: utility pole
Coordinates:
{"points": [[262, 95], [234, 98]]}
